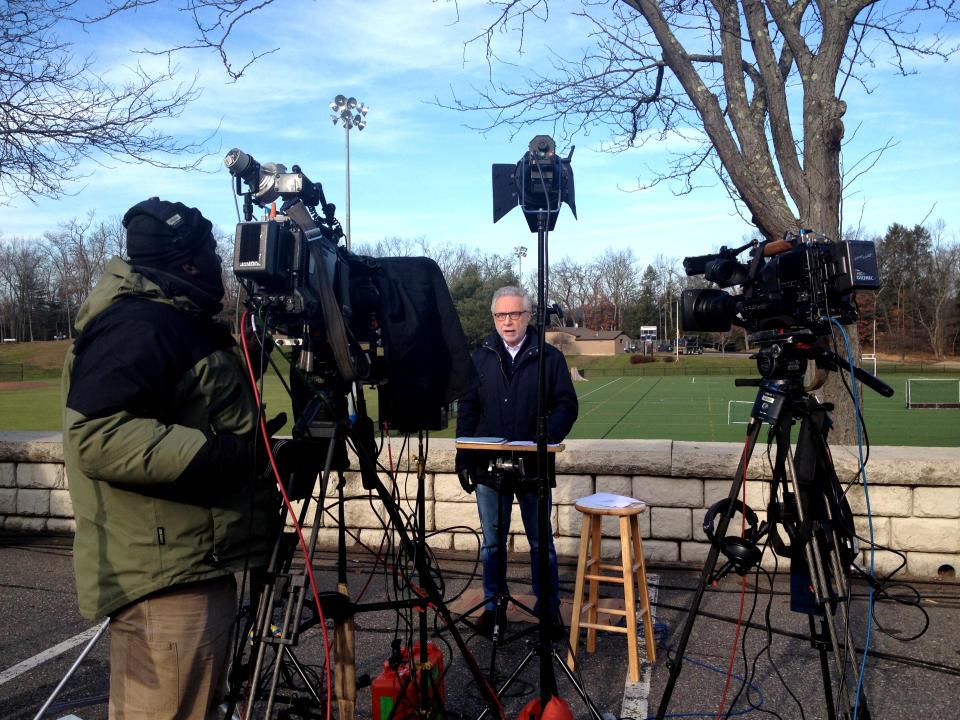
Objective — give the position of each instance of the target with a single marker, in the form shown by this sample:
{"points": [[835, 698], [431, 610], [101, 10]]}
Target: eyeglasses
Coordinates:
{"points": [[514, 315]]}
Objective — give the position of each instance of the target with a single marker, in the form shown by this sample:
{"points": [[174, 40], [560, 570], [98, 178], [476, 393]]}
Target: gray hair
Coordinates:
{"points": [[512, 291]]}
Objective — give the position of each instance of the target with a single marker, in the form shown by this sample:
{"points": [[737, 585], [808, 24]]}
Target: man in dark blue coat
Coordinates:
{"points": [[505, 406]]}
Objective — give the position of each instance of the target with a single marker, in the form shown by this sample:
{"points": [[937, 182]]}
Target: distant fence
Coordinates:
{"points": [[11, 372], [657, 369], [667, 369]]}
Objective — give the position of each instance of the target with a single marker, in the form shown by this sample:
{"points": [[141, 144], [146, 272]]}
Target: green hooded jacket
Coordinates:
{"points": [[158, 422]]}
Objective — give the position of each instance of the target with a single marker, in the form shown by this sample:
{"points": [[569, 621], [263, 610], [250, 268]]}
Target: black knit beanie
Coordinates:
{"points": [[164, 234]]}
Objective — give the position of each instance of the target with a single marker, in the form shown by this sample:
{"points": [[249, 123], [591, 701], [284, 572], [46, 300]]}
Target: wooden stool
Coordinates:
{"points": [[595, 508]]}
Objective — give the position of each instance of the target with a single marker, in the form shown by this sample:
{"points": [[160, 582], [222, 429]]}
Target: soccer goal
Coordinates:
{"points": [[738, 411], [933, 393]]}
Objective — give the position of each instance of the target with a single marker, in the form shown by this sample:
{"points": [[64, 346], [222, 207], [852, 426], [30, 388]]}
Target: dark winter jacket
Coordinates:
{"points": [[505, 403], [157, 425]]}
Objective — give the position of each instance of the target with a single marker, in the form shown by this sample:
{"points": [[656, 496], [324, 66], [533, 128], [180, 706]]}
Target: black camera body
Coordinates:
{"points": [[805, 285], [385, 322], [268, 255]]}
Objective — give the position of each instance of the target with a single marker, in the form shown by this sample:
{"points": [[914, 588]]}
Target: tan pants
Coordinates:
{"points": [[169, 652]]}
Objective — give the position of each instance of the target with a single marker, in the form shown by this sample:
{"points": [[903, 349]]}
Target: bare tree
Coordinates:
{"points": [[566, 289], [617, 272], [57, 107], [25, 277], [213, 23], [452, 259], [757, 83], [938, 283], [394, 246]]}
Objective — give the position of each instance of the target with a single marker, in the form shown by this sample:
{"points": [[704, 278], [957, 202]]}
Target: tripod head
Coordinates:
{"points": [[783, 355]]}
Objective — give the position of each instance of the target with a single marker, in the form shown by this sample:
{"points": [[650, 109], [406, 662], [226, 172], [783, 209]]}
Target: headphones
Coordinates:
{"points": [[742, 552]]}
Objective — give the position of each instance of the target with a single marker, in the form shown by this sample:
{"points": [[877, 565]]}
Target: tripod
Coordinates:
{"points": [[282, 584], [505, 473], [813, 512]]}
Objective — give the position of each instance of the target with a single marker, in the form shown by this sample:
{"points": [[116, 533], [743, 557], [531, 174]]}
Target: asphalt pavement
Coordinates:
{"points": [[43, 635]]}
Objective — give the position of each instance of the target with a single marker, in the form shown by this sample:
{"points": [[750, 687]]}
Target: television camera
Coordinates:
{"points": [[790, 293], [799, 283], [352, 320], [386, 322]]}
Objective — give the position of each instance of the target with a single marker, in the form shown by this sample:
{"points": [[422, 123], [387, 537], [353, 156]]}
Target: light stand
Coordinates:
{"points": [[540, 182], [507, 471]]}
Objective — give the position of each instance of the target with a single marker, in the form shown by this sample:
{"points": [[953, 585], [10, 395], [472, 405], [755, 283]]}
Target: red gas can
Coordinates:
{"points": [[387, 688]]}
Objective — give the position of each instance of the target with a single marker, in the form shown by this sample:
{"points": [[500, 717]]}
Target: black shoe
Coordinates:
{"points": [[484, 626]]}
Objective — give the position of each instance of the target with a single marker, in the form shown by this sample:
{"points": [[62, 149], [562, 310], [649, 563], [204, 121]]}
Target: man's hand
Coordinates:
{"points": [[466, 480], [465, 471]]}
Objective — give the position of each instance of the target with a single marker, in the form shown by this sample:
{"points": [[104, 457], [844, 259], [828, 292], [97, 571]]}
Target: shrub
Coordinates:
{"points": [[669, 358], [641, 359]]}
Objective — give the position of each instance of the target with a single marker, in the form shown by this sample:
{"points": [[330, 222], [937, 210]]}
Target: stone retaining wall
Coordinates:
{"points": [[914, 497]]}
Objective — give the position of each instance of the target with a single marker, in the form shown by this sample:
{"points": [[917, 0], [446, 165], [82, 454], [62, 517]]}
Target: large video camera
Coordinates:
{"points": [[799, 283], [388, 322]]}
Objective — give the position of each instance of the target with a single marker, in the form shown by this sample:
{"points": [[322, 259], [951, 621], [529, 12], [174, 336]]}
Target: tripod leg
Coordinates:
{"points": [[817, 640], [576, 684], [509, 681], [821, 587], [73, 668], [372, 480], [278, 567], [676, 663]]}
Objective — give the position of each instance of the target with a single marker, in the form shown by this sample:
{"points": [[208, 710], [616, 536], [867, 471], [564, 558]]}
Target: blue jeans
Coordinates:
{"points": [[495, 572]]}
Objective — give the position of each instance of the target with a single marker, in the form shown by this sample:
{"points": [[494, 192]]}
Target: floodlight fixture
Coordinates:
{"points": [[352, 113]]}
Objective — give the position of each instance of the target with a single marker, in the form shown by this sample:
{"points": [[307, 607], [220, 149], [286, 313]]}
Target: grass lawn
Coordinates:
{"points": [[681, 401]]}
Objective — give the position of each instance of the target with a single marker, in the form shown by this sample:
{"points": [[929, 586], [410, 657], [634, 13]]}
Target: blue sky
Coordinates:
{"points": [[417, 170]]}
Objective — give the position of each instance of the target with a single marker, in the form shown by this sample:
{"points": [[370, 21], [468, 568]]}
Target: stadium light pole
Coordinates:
{"points": [[676, 342], [352, 113], [520, 252]]}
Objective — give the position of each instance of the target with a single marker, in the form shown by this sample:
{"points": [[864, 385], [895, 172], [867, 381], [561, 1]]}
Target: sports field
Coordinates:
{"points": [[696, 408], [691, 406]]}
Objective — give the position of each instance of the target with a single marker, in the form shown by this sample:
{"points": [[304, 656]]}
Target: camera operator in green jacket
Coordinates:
{"points": [[159, 428]]}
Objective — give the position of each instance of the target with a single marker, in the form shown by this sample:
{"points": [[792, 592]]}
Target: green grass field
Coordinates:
{"points": [[680, 401], [696, 408]]}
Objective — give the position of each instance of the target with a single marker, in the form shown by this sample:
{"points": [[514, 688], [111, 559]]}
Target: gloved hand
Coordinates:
{"points": [[465, 471], [466, 480]]}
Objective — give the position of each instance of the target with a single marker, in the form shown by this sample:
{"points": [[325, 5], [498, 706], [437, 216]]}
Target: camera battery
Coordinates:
{"points": [[768, 406], [854, 266]]}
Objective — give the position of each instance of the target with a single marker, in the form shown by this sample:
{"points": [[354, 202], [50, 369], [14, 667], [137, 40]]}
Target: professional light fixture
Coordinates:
{"points": [[352, 113]]}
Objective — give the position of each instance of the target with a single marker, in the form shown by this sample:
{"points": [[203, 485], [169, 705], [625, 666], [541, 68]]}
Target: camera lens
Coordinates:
{"points": [[242, 165], [708, 310]]}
